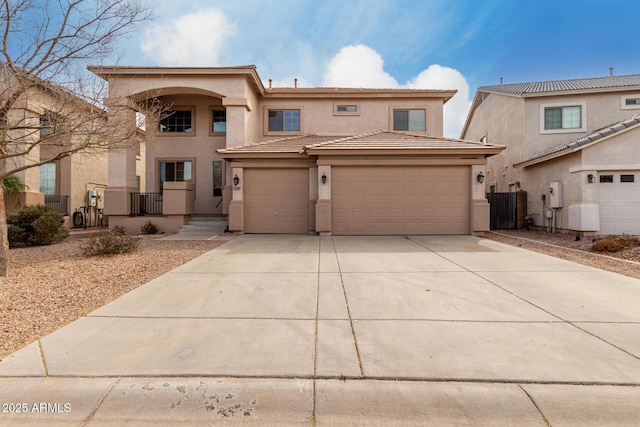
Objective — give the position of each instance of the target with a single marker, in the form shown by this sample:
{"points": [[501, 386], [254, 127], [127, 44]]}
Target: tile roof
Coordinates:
{"points": [[521, 89], [579, 143], [380, 140]]}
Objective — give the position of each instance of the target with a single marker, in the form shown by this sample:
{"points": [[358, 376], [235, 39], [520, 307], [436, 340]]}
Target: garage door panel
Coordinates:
{"points": [[276, 200], [408, 200], [620, 205]]}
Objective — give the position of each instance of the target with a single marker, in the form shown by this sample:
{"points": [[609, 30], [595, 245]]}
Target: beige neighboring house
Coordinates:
{"points": [[574, 143], [293, 160], [66, 184]]}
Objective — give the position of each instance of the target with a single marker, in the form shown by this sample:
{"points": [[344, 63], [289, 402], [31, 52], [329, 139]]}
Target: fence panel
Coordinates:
{"points": [[58, 202], [146, 204], [503, 211]]}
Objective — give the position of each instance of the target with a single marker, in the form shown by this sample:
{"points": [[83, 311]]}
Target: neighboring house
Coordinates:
{"points": [[578, 137], [293, 160], [46, 115]]}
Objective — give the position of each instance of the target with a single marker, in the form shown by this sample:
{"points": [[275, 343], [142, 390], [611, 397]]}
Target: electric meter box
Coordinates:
{"points": [[92, 198], [555, 189]]}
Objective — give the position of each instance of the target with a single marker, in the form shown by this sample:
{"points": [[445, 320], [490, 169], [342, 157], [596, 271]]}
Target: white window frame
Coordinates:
{"points": [[623, 102], [583, 117]]}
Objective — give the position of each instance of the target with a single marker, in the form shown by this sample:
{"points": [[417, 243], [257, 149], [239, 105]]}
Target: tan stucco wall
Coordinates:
{"points": [[500, 120], [198, 147], [317, 115]]}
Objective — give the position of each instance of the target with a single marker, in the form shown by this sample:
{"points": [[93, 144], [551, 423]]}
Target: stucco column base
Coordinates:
{"points": [[480, 216], [236, 219], [117, 201], [323, 216], [584, 217], [178, 198]]}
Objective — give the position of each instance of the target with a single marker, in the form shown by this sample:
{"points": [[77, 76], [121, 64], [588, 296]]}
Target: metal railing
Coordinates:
{"points": [[146, 204], [58, 202]]}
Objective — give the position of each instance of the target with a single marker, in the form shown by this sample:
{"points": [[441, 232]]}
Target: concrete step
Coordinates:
{"points": [[204, 225]]}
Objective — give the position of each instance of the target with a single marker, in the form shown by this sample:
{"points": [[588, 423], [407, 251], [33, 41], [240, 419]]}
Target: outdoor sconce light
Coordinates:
{"points": [[480, 177], [591, 178], [324, 178], [236, 180]]}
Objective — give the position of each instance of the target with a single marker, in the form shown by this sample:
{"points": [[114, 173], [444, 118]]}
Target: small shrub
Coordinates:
{"points": [[149, 228], [109, 243], [36, 225], [118, 229], [614, 243]]}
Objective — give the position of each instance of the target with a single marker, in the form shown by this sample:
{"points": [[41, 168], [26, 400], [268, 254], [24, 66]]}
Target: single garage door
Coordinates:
{"points": [[619, 200], [276, 200], [375, 200]]}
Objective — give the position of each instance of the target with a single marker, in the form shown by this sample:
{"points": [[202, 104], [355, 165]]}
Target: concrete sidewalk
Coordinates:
{"points": [[271, 329]]}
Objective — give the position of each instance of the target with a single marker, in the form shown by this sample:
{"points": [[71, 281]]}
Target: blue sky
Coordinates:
{"points": [[459, 44]]}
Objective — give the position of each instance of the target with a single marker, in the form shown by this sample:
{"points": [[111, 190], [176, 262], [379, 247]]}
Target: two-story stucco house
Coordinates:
{"points": [[293, 160], [573, 145]]}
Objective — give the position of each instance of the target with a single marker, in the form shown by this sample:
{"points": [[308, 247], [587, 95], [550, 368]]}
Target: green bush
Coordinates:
{"points": [[149, 228], [118, 229], [36, 225], [615, 243], [109, 243]]}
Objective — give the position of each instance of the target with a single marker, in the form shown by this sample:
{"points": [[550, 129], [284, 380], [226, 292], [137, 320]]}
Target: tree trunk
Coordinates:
{"points": [[4, 238]]}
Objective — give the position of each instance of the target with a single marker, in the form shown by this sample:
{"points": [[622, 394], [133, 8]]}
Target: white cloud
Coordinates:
{"points": [[358, 66], [361, 66], [194, 39], [455, 110]]}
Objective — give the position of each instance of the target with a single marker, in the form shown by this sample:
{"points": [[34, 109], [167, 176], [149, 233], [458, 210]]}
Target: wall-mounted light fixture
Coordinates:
{"points": [[324, 178], [591, 178], [517, 184], [480, 177], [236, 180]]}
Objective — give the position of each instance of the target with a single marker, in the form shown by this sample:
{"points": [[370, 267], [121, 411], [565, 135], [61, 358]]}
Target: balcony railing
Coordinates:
{"points": [[57, 202], [146, 204]]}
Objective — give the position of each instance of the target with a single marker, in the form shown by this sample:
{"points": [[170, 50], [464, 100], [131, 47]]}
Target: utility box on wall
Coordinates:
{"points": [[555, 189]]}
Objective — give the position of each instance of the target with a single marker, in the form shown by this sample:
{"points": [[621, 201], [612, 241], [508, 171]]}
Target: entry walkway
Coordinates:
{"points": [[308, 330]]}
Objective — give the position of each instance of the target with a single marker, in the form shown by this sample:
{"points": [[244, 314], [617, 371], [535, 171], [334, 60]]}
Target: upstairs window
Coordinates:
{"points": [[284, 120], [630, 102], [563, 117], [410, 120], [176, 121], [219, 121], [48, 123]]}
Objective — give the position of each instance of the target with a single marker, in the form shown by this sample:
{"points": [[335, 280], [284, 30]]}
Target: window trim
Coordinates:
{"points": [[393, 109], [583, 117], [265, 118], [623, 102], [56, 163], [192, 109], [213, 108], [346, 104]]}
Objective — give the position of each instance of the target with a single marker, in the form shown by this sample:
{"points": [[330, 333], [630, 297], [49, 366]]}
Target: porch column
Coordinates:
{"points": [[236, 208], [480, 211], [585, 215], [121, 175], [323, 205], [237, 109]]}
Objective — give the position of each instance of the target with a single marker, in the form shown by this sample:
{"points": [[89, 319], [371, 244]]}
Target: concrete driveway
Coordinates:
{"points": [[310, 330]]}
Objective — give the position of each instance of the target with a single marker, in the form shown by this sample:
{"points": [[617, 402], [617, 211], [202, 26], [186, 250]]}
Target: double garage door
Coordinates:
{"points": [[366, 200], [379, 200]]}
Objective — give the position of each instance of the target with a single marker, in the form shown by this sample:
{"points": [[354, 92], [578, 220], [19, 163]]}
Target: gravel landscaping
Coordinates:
{"points": [[565, 246], [50, 286]]}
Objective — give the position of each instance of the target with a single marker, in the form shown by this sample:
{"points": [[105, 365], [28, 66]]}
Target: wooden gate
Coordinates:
{"points": [[507, 210]]}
